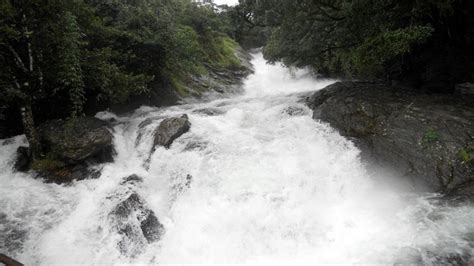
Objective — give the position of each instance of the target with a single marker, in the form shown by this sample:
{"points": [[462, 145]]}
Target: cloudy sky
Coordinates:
{"points": [[229, 2]]}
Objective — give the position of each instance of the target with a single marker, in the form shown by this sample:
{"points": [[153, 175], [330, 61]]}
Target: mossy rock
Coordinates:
{"points": [[77, 140]]}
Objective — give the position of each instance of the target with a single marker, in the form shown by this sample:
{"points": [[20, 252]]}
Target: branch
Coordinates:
{"points": [[18, 60]]}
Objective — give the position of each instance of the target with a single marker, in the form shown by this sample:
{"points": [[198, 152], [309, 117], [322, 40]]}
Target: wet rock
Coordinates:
{"points": [[146, 122], [182, 186], [81, 172], [209, 111], [23, 159], [466, 89], [425, 138], [79, 140], [294, 111], [452, 259], [72, 149], [137, 225], [66, 174], [7, 142], [142, 128], [133, 179], [196, 145], [169, 130], [12, 235], [219, 80]]}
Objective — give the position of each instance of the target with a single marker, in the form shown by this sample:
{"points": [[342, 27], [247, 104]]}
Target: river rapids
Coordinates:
{"points": [[255, 181]]}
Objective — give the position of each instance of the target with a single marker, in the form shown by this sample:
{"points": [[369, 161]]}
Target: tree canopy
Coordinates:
{"points": [[425, 42], [58, 57]]}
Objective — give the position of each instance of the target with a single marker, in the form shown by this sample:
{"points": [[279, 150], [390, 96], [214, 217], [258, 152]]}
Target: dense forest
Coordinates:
{"points": [[427, 44], [64, 59], [61, 59], [150, 132]]}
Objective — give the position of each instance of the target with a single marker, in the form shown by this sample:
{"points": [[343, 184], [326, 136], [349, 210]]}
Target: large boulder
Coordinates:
{"points": [[427, 138], [135, 223], [71, 149], [23, 159], [78, 140], [169, 130]]}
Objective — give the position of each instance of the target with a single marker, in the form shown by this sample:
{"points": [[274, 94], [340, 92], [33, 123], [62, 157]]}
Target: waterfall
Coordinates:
{"points": [[256, 180]]}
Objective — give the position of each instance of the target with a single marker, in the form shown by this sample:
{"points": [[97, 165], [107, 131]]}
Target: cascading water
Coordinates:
{"points": [[256, 180]]}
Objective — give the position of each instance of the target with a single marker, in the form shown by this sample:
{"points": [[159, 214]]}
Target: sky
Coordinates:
{"points": [[228, 2]]}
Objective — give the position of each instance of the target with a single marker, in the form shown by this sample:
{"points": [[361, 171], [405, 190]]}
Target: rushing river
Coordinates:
{"points": [[269, 186]]}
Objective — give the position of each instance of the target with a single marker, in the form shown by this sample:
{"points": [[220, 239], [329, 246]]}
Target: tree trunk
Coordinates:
{"points": [[30, 131]]}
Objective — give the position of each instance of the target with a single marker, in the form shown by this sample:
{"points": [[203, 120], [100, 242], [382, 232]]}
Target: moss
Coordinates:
{"points": [[221, 52], [464, 156], [179, 86], [226, 49], [430, 136], [48, 165]]}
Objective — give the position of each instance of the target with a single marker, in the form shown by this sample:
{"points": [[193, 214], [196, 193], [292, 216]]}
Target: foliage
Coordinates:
{"points": [[62, 55], [465, 156], [430, 137], [245, 29], [369, 57], [427, 40]]}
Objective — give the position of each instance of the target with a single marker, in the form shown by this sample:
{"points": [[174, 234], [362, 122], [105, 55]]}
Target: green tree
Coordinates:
{"points": [[370, 38], [59, 57]]}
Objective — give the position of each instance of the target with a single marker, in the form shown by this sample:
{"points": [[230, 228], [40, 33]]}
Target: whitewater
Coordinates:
{"points": [[255, 181]]}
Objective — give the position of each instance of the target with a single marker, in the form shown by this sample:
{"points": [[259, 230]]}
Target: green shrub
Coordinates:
{"points": [[430, 137], [464, 155]]}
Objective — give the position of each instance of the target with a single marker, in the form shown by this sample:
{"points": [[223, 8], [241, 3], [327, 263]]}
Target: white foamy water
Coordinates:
{"points": [[269, 186]]}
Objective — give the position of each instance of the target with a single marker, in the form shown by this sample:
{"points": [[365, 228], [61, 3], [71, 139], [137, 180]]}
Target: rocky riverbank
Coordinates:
{"points": [[214, 82], [74, 150], [428, 139]]}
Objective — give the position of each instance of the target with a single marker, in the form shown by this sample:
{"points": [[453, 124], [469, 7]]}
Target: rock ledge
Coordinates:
{"points": [[428, 139]]}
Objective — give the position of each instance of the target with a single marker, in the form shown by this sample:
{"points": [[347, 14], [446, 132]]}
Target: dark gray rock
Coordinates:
{"points": [[466, 89], [133, 179], [7, 142], [65, 174], [169, 130], [146, 123], [220, 80], [74, 142], [137, 225], [294, 111], [451, 259], [426, 138], [209, 111], [23, 159], [196, 145], [72, 149]]}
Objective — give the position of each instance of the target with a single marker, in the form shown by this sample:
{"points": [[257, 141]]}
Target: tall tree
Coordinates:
{"points": [[423, 40]]}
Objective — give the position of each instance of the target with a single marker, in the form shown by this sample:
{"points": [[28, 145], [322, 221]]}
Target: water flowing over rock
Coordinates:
{"points": [[260, 183], [428, 138], [136, 224], [12, 235], [209, 111], [169, 130], [23, 159]]}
